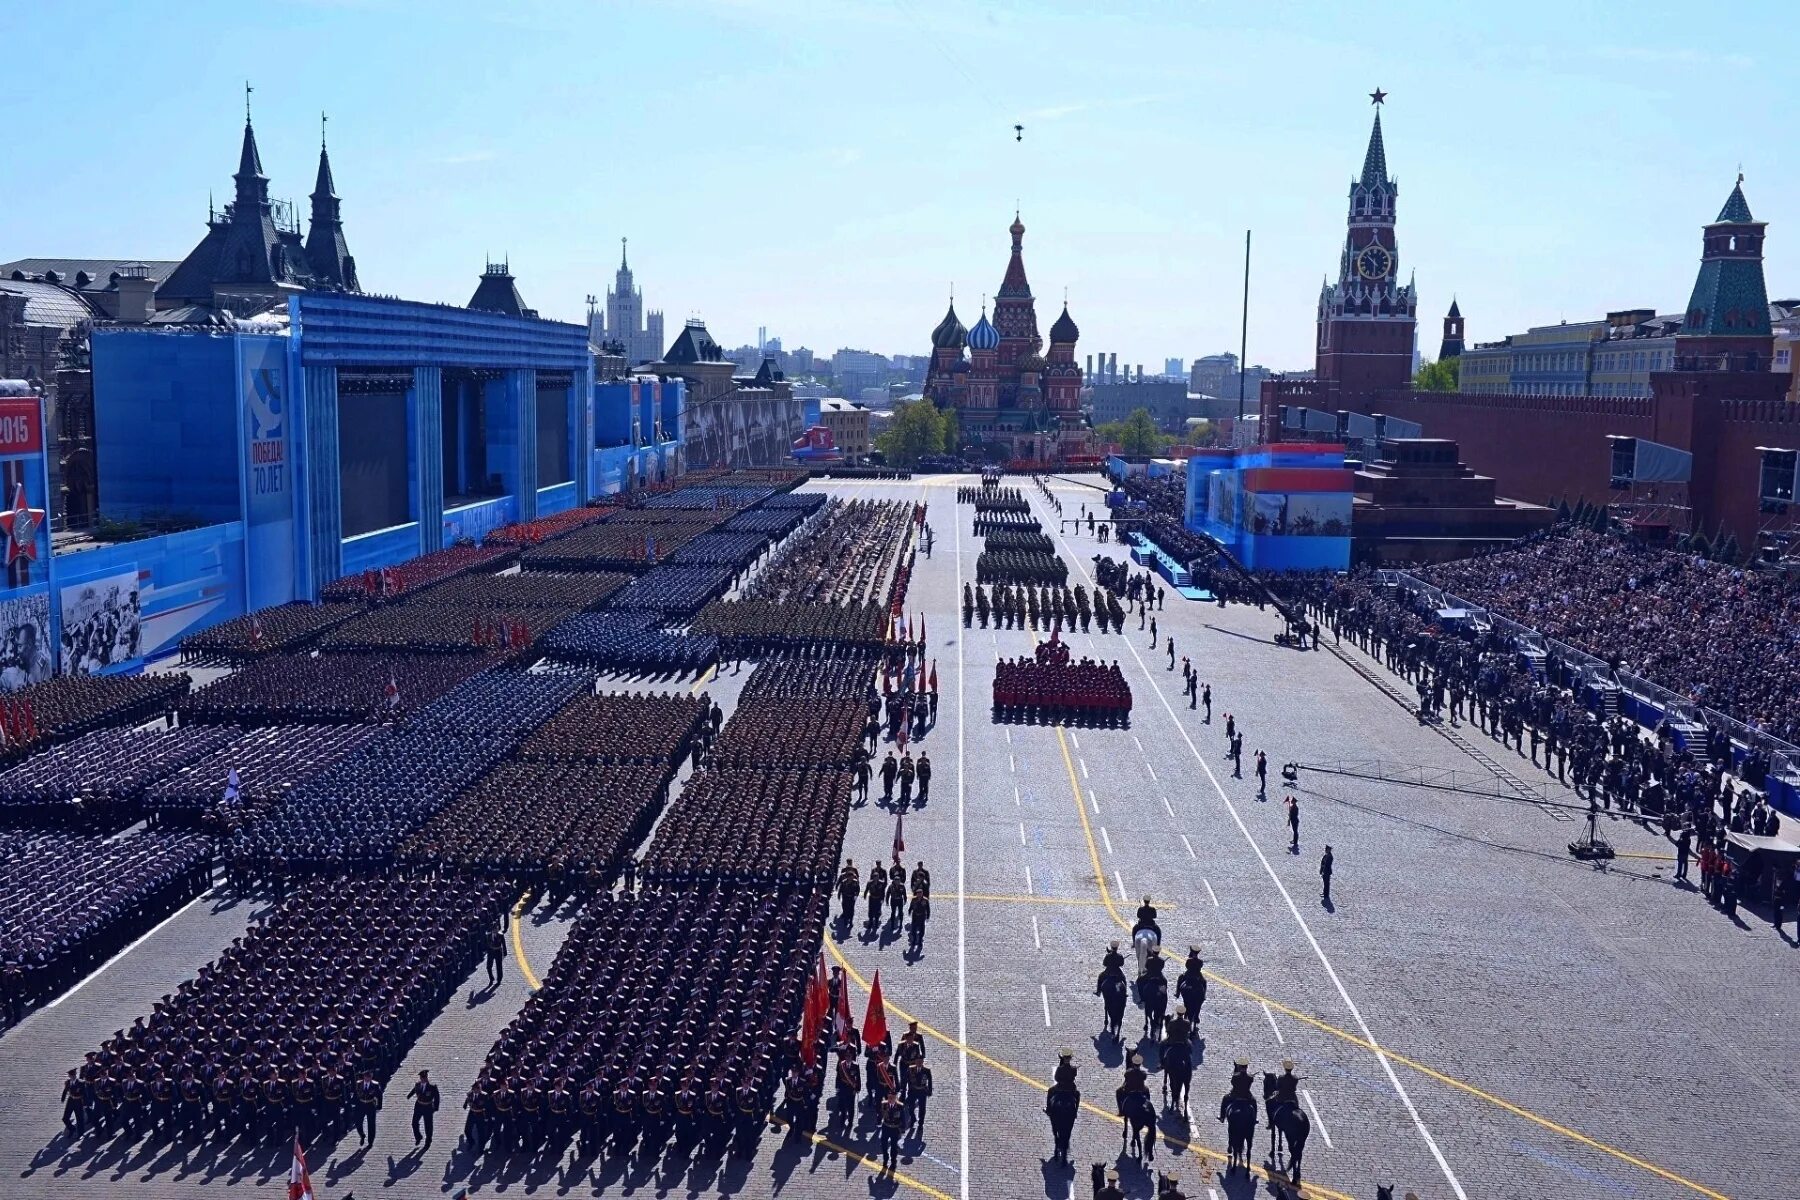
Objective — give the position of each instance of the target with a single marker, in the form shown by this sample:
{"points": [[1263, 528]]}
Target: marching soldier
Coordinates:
{"points": [[890, 767], [921, 880], [916, 1085]]}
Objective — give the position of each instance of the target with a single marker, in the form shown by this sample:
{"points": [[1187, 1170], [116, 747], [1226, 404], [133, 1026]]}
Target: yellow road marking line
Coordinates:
{"points": [[1644, 854], [819, 1139], [1355, 1040], [518, 945]]}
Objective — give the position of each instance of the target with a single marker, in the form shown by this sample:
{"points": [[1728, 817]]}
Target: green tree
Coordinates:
{"points": [[917, 429], [1136, 436], [1444, 375], [952, 432]]}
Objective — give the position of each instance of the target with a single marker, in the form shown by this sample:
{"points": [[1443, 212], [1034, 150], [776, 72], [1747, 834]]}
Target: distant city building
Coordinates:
{"points": [[855, 370], [1785, 323], [1218, 375], [1166, 400], [625, 324], [848, 423], [1174, 368]]}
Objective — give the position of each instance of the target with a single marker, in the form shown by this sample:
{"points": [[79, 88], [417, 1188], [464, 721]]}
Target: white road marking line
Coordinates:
{"points": [[1138, 744], [1035, 939], [1387, 1065], [1015, 795], [1270, 1013], [95, 974], [1212, 894], [1084, 773], [1044, 991], [1236, 949], [1012, 764], [1168, 806], [1107, 838], [1152, 771], [1189, 845], [1075, 739], [1021, 833], [1009, 737], [1317, 1119], [1028, 889], [1120, 880], [1211, 1195], [1093, 802], [962, 889]]}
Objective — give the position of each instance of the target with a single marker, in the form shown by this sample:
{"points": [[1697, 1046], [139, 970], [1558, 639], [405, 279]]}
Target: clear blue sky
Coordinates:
{"points": [[828, 168]]}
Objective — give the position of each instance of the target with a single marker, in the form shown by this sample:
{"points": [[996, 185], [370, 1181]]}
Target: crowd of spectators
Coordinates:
{"points": [[1722, 636]]}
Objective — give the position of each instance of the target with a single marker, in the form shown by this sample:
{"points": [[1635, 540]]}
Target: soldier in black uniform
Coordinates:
{"points": [[1107, 1188], [425, 1098], [890, 767], [893, 1127], [924, 776], [496, 953]]}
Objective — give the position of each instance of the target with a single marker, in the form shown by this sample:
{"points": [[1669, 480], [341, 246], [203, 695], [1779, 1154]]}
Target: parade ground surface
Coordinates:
{"points": [[1475, 1015]]}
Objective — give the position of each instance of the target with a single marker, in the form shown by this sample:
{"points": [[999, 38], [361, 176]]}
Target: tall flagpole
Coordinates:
{"points": [[1244, 335]]}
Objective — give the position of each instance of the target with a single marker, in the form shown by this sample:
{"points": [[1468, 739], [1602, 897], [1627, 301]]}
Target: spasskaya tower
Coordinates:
{"points": [[1367, 318]]}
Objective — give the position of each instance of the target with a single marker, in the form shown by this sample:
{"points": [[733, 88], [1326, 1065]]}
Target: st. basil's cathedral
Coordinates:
{"points": [[1011, 401]]}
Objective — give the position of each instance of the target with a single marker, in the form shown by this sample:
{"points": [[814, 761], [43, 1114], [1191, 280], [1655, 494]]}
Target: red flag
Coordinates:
{"points": [[299, 1182], [934, 677], [392, 691], [28, 719], [818, 999], [899, 835], [875, 1028]]}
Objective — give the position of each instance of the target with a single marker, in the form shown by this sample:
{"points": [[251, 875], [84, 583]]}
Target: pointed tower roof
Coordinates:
{"points": [[327, 253], [324, 187], [1064, 331], [1014, 283], [1454, 311], [497, 292], [1737, 209], [249, 161], [1375, 158]]}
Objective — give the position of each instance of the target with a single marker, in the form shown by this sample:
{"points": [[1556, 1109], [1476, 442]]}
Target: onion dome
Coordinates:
{"points": [[1032, 362], [949, 334], [959, 367], [984, 336], [1065, 331]]}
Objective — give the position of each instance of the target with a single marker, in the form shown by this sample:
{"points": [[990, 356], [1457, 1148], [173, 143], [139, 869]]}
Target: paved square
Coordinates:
{"points": [[1476, 1014]]}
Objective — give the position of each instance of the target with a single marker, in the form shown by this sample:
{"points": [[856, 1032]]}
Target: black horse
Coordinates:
{"points": [[1288, 1123], [1139, 1116], [1239, 1115], [1153, 994], [1112, 990], [1061, 1107], [1177, 1072]]}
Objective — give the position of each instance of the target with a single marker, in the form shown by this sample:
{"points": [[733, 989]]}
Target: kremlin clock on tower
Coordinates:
{"points": [[1367, 318]]}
